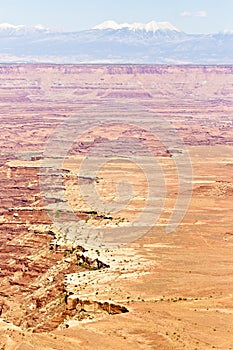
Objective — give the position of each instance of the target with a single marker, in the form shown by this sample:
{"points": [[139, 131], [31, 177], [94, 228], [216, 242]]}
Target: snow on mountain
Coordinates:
{"points": [[4, 26], [148, 27], [21, 28], [227, 31], [111, 42]]}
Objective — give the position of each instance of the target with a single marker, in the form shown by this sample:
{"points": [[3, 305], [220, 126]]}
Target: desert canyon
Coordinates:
{"points": [[159, 290]]}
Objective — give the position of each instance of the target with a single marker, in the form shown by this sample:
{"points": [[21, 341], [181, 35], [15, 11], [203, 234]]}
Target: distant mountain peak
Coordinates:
{"points": [[114, 43], [21, 27], [8, 26], [227, 31], [148, 27]]}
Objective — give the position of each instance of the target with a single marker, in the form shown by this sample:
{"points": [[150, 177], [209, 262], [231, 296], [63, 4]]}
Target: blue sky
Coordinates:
{"points": [[197, 16]]}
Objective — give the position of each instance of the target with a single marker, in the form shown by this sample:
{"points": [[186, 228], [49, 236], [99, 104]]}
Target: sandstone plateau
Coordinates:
{"points": [[61, 286]]}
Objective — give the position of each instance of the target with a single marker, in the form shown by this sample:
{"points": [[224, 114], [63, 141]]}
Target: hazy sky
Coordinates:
{"points": [[192, 16]]}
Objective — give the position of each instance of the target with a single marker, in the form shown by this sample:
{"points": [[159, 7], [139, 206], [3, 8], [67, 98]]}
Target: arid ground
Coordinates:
{"points": [[61, 286]]}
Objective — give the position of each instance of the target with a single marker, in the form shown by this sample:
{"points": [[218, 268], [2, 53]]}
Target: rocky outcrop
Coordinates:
{"points": [[86, 261], [75, 302]]}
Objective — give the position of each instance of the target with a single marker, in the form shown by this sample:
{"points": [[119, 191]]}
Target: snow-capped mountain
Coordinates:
{"points": [[110, 42], [11, 29], [8, 26], [148, 27]]}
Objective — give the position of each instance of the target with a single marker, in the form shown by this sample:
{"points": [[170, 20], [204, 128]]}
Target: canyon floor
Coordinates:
{"points": [[80, 273]]}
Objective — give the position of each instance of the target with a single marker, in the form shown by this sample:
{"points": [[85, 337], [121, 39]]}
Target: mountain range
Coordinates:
{"points": [[112, 43]]}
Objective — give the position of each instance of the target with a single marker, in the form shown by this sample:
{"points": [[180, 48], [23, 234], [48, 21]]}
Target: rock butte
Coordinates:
{"points": [[162, 291]]}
